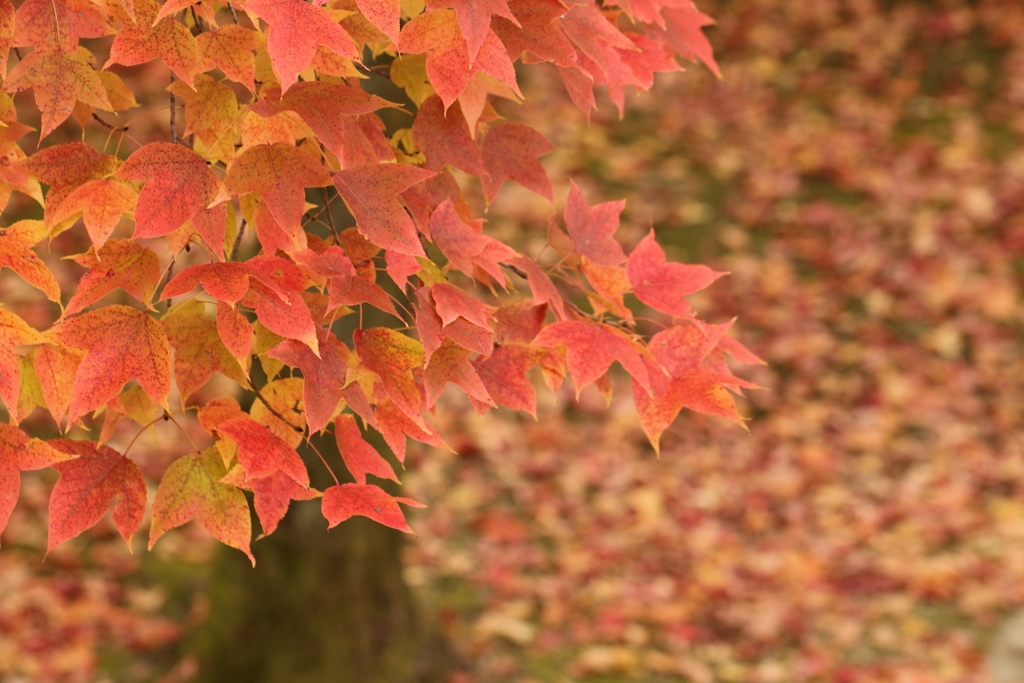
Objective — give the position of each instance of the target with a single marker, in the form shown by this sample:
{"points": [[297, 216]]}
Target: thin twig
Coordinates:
{"points": [[196, 20], [238, 241], [108, 125], [330, 216], [271, 408], [174, 108], [234, 14]]}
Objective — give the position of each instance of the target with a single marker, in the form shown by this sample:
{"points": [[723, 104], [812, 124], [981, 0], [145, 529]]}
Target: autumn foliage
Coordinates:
{"points": [[221, 249]]}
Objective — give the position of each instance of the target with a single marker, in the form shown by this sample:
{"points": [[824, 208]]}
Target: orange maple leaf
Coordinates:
{"points": [[58, 80], [122, 344]]}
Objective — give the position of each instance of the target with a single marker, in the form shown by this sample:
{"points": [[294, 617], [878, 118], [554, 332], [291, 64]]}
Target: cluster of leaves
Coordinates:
{"points": [[860, 165], [276, 101]]}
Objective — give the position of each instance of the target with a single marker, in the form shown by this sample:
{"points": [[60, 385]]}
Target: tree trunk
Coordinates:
{"points": [[319, 606]]}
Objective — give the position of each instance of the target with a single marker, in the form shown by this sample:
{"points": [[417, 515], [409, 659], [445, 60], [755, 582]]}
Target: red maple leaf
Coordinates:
{"points": [[369, 192], [179, 185], [367, 500], [122, 344], [662, 285], [260, 452], [360, 457], [19, 452], [592, 228], [279, 173], [296, 28], [510, 151], [86, 487]]}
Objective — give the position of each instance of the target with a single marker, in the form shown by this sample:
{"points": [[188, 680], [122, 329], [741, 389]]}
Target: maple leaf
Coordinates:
{"points": [[345, 285], [392, 356], [591, 228], [230, 49], [19, 452], [55, 366], [697, 389], [325, 377], [510, 151], [444, 137], [66, 168], [663, 285], [538, 30], [148, 37], [682, 30], [191, 489], [367, 500], [384, 14], [15, 253], [594, 34], [360, 457], [123, 264], [592, 347], [198, 349], [272, 496], [449, 68], [210, 112], [503, 375], [102, 203], [296, 28], [261, 453], [544, 290], [278, 173], [227, 281], [369, 192], [474, 18], [58, 80], [463, 332], [683, 352], [450, 363], [179, 185], [212, 226], [122, 344], [327, 108], [7, 32], [13, 331], [452, 303], [437, 35], [86, 487], [287, 315], [234, 329], [395, 426], [518, 322], [609, 283], [58, 24], [459, 242]]}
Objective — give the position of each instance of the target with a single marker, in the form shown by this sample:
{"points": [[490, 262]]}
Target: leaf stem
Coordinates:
{"points": [[165, 416], [309, 443]]}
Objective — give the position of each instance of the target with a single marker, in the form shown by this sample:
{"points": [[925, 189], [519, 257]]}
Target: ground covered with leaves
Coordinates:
{"points": [[858, 171]]}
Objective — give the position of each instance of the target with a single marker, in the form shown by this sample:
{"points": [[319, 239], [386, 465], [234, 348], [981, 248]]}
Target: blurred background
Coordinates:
{"points": [[858, 171]]}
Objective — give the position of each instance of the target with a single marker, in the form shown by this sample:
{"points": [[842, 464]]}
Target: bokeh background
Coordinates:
{"points": [[859, 172]]}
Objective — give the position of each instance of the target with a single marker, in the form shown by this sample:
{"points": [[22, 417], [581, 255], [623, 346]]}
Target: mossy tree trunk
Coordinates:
{"points": [[319, 606]]}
